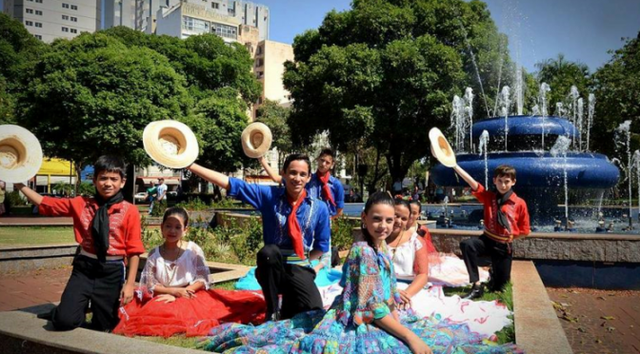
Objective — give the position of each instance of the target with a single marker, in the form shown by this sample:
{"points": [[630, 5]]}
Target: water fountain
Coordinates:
{"points": [[542, 174]]}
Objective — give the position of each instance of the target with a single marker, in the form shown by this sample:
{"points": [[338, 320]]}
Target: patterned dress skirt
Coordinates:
{"points": [[323, 332]]}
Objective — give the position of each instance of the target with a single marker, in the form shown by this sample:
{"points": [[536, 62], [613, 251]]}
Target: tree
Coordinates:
{"points": [[560, 74], [275, 117], [385, 72], [93, 95], [617, 91]]}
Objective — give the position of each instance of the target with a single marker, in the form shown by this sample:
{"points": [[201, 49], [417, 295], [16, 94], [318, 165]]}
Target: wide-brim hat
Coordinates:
{"points": [[256, 140], [170, 143], [441, 149], [20, 154]]}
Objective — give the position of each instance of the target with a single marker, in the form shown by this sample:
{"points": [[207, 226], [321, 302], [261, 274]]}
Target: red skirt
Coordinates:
{"points": [[193, 317]]}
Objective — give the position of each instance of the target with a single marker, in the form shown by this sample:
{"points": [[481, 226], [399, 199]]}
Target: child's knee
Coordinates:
{"points": [[65, 322]]}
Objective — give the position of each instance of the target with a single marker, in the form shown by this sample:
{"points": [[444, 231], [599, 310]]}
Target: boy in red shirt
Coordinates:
{"points": [[108, 231], [505, 218]]}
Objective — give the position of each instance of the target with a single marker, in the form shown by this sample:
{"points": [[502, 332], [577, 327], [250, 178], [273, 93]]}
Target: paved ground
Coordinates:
{"points": [[30, 288], [34, 221], [599, 321]]}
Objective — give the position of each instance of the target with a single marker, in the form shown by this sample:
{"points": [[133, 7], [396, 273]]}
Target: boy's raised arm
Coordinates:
{"points": [[32, 195], [465, 176], [270, 171], [212, 176]]}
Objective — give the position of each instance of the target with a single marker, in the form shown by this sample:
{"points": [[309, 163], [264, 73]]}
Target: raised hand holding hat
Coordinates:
{"points": [[170, 143], [20, 154], [256, 140], [440, 148]]}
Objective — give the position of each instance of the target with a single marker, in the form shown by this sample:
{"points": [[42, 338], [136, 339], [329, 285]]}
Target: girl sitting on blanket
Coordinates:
{"points": [[174, 295], [364, 318]]}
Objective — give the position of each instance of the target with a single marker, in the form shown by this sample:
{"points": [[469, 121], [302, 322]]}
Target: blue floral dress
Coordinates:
{"points": [[347, 327]]}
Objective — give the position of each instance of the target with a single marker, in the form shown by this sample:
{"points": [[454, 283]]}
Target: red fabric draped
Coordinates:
{"points": [[326, 190], [193, 317], [295, 231]]}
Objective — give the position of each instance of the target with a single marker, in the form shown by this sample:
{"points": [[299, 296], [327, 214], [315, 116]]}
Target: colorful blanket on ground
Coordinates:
{"points": [[324, 278], [322, 332]]}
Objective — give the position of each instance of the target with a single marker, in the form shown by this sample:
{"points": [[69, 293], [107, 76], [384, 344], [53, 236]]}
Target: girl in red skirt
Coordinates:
{"points": [[174, 295]]}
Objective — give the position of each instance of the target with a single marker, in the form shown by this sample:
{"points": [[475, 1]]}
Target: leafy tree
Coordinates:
{"points": [[6, 104], [385, 71], [93, 95], [617, 91], [275, 117], [560, 74]]}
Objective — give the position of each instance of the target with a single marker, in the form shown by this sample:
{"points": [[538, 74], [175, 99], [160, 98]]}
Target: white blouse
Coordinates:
{"points": [[404, 257], [189, 268]]}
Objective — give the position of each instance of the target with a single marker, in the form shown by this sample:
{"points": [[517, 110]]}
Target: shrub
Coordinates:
{"points": [[342, 232], [14, 199]]}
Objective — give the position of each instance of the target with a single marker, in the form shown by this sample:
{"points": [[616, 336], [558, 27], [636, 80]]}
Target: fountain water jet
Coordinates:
{"points": [[484, 147], [590, 112], [560, 148]]}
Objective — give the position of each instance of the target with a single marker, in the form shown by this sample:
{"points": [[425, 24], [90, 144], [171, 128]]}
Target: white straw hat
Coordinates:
{"points": [[256, 140], [170, 143], [441, 149], [20, 154]]}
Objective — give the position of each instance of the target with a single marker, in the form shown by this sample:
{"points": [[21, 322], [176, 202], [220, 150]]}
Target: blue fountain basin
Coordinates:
{"points": [[526, 125], [584, 170]]}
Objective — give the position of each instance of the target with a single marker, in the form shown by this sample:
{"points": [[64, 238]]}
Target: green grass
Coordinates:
{"points": [[508, 333], [33, 235]]}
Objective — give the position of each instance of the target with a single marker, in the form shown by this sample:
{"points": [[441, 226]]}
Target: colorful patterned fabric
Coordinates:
{"points": [[369, 294]]}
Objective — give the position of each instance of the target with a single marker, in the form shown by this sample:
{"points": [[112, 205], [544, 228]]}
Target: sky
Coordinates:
{"points": [[583, 30]]}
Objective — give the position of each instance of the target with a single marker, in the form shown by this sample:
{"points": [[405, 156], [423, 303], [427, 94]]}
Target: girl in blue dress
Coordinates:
{"points": [[365, 318]]}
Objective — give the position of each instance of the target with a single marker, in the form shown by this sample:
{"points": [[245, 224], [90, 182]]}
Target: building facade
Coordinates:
{"points": [[269, 59], [51, 19]]}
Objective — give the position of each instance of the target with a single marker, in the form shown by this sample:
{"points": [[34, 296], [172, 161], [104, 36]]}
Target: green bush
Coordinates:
{"points": [[342, 232], [14, 199], [194, 204], [159, 208]]}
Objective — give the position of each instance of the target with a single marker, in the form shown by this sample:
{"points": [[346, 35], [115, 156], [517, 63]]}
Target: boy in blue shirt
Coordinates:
{"points": [[322, 184], [296, 231]]}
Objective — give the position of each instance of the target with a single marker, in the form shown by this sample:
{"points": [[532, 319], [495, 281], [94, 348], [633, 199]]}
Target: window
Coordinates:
{"points": [[39, 24], [73, 30], [30, 0], [74, 7], [65, 29], [38, 12], [74, 19], [65, 6], [195, 25], [215, 5], [28, 23], [29, 11], [39, 1], [65, 17], [38, 36], [224, 30]]}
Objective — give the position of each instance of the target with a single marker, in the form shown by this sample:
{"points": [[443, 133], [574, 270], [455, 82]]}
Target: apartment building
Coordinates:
{"points": [[51, 19]]}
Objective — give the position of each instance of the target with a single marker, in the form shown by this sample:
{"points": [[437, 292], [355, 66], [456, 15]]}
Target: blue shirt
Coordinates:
{"points": [[272, 203], [314, 187]]}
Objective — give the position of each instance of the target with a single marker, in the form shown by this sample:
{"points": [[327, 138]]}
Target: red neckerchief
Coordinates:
{"points": [[295, 231], [326, 190]]}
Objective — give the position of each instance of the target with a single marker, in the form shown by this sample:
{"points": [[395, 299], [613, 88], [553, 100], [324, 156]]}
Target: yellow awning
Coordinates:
{"points": [[56, 167]]}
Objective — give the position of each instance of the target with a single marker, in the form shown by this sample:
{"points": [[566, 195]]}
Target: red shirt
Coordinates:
{"points": [[124, 223], [515, 209]]}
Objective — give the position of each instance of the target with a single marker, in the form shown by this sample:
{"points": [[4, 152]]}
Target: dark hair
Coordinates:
{"points": [[327, 151], [400, 201], [505, 171], [109, 163], [176, 211], [416, 202], [375, 199], [296, 157]]}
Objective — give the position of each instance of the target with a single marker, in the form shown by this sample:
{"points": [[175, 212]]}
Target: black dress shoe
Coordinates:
{"points": [[46, 315], [476, 292]]}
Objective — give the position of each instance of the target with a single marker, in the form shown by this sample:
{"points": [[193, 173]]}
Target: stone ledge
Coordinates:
{"points": [[23, 332], [538, 329]]}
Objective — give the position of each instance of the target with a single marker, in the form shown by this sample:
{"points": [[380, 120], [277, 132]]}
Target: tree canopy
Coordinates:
{"points": [[384, 72], [93, 95]]}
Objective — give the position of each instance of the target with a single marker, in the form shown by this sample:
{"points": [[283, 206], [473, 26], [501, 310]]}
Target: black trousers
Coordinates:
{"points": [[294, 282], [90, 280], [501, 256]]}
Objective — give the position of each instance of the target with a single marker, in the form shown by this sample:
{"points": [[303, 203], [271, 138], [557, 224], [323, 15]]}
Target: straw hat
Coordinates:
{"points": [[20, 154], [601, 222], [170, 143], [256, 140], [441, 149]]}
